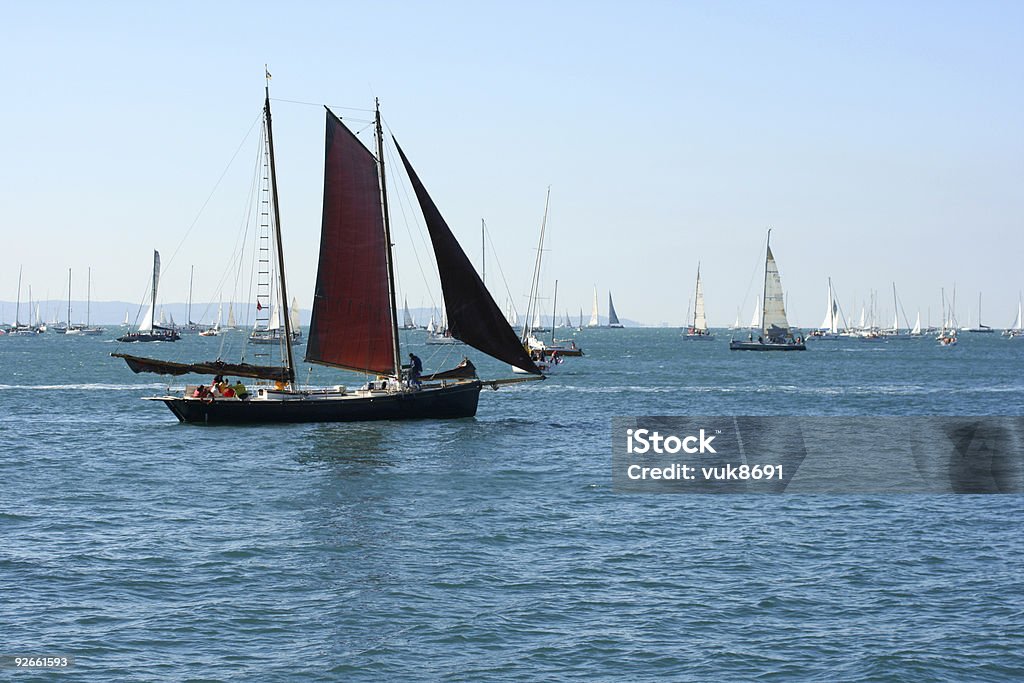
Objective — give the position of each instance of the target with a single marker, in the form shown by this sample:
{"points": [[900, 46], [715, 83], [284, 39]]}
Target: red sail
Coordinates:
{"points": [[351, 325]]}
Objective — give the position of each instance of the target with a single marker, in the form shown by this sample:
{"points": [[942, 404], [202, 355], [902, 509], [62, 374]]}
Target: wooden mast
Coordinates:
{"points": [[389, 257], [290, 359]]}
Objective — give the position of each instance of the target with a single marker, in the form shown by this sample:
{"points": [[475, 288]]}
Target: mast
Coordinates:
{"points": [[280, 248], [88, 298], [69, 300], [191, 275], [895, 312], [388, 255], [696, 293], [532, 308], [17, 306], [554, 312], [764, 291]]}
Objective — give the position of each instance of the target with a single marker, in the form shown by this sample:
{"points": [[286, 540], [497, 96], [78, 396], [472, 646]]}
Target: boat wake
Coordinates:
{"points": [[81, 387]]}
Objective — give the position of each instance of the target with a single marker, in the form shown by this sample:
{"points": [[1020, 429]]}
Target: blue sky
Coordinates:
{"points": [[882, 141]]}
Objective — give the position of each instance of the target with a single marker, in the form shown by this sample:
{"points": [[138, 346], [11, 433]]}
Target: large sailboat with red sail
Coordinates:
{"points": [[354, 323]]}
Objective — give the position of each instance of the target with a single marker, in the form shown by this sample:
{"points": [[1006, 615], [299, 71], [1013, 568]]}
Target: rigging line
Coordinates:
{"points": [[402, 193], [214, 190], [758, 267], [501, 272], [320, 105]]}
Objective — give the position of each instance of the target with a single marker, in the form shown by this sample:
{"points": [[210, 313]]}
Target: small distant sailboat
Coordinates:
{"points": [[775, 334], [613, 319], [89, 329], [981, 328], [698, 328], [150, 331], [829, 329], [755, 320], [214, 331], [407, 321], [20, 329], [947, 336], [440, 334], [916, 330], [1016, 330], [595, 320]]}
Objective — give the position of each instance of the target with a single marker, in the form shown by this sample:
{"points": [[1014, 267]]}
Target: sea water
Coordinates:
{"points": [[494, 548]]}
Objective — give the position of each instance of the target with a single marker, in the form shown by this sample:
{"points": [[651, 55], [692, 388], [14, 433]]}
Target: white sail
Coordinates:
{"points": [[700, 322], [536, 324], [1017, 324], [755, 321], [432, 325], [407, 321], [829, 324], [147, 319], [917, 325], [594, 319], [773, 321], [293, 312], [275, 317], [231, 315]]}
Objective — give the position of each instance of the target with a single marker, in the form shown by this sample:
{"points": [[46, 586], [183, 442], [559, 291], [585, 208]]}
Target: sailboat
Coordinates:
{"points": [[214, 330], [755, 320], [595, 320], [407, 321], [829, 329], [613, 319], [89, 329], [698, 328], [775, 334], [19, 328], [190, 327], [70, 328], [149, 330], [916, 330], [441, 334], [1016, 330], [354, 320], [947, 335], [981, 328], [546, 354]]}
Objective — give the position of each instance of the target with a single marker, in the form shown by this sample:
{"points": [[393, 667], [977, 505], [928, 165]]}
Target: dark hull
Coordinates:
{"points": [[459, 400], [761, 346], [149, 337]]}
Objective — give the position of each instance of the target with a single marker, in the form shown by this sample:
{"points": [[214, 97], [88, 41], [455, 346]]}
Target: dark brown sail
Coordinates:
{"points": [[213, 367], [351, 321], [473, 317]]}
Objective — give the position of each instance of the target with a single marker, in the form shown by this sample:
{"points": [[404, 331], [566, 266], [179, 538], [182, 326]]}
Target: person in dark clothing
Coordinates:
{"points": [[415, 370]]}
